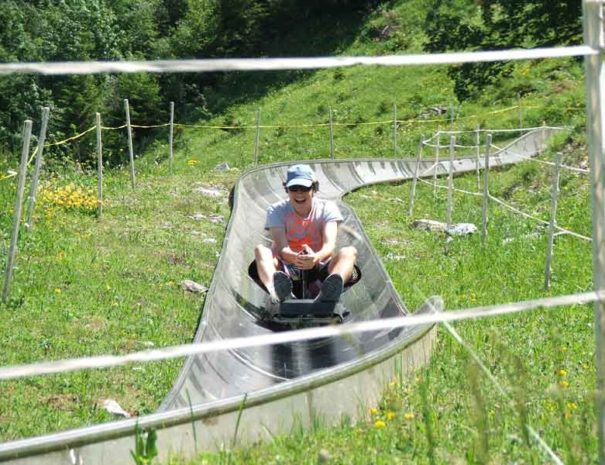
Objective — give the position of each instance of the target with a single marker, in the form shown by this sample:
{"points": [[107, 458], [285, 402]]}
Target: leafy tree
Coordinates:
{"points": [[81, 30], [456, 25]]}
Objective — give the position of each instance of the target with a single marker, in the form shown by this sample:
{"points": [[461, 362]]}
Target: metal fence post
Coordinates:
{"points": [[437, 148], [257, 137], [415, 180], [478, 154], [595, 97], [520, 110], [553, 222], [488, 146], [395, 130], [8, 275], [99, 167], [450, 182], [171, 138], [331, 136], [33, 190], [130, 147]]}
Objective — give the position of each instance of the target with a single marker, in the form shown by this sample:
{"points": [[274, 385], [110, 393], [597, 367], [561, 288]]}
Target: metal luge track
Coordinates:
{"points": [[232, 397]]}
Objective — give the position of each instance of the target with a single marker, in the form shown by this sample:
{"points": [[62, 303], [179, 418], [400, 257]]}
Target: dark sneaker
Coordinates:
{"points": [[282, 284], [331, 288]]}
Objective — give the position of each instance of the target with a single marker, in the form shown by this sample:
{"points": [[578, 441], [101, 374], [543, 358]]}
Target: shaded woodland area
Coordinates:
{"points": [[80, 30]]}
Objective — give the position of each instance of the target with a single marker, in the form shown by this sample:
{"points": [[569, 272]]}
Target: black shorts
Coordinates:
{"points": [[314, 277]]}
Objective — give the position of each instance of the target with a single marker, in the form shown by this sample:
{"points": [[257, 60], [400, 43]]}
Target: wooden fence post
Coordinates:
{"points": [[415, 180], [553, 222], [171, 138], [450, 183], [488, 146], [8, 275], [99, 167], [257, 138], [130, 147], [33, 190]]}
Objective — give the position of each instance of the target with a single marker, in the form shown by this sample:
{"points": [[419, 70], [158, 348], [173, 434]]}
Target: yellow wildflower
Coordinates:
{"points": [[379, 424], [564, 383], [68, 197], [57, 290], [192, 162], [562, 372], [373, 411], [409, 416], [551, 406], [390, 415], [572, 406]]}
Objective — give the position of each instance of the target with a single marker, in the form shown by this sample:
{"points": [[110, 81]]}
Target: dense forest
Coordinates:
{"points": [[59, 30]]}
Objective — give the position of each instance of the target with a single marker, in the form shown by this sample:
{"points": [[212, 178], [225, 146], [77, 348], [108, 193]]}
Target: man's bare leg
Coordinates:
{"points": [[343, 263], [266, 266], [341, 270]]}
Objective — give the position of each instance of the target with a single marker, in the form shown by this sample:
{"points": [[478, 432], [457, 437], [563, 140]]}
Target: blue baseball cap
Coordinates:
{"points": [[300, 175]]}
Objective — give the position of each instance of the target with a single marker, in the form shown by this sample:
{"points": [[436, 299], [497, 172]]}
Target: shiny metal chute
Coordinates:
{"points": [[238, 396]]}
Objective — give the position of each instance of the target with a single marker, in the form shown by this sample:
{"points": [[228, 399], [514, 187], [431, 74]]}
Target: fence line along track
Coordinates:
{"points": [[291, 126], [550, 163], [561, 229], [434, 167]]}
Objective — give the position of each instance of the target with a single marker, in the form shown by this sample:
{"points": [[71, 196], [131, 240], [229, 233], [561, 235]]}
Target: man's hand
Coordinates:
{"points": [[306, 258]]}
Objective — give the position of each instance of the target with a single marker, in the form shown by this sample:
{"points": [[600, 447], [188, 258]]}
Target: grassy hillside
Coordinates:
{"points": [[87, 285]]}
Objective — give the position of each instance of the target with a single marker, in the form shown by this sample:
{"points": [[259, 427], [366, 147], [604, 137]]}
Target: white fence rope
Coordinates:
{"points": [[561, 230], [106, 361], [550, 163], [265, 64], [474, 131], [501, 390], [462, 191], [527, 215]]}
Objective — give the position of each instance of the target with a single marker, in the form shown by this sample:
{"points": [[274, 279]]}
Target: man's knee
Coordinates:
{"points": [[349, 252], [262, 252]]}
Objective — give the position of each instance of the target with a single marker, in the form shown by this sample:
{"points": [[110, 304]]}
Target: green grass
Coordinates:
{"points": [[544, 359], [86, 286]]}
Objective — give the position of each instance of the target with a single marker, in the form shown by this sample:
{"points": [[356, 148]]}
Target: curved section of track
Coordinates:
{"points": [[249, 394]]}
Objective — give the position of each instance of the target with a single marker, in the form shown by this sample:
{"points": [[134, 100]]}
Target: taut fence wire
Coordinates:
{"points": [[106, 361], [435, 166], [276, 64]]}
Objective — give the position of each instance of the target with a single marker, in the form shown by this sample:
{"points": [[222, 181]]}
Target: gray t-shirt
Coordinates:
{"points": [[301, 231]]}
